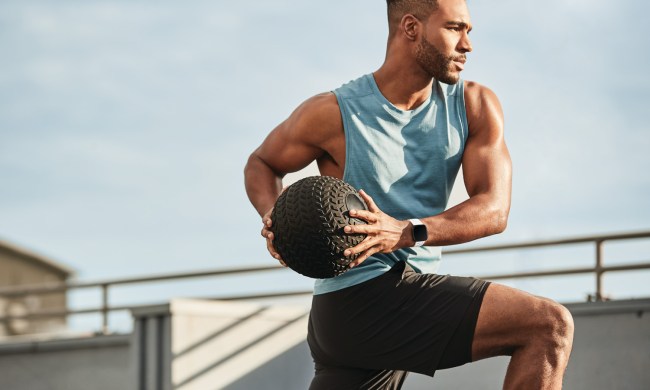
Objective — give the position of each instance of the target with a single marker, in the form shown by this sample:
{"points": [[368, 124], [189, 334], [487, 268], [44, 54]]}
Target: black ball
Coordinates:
{"points": [[308, 221]]}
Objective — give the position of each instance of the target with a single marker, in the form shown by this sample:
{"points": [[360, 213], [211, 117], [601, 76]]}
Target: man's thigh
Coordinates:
{"points": [[508, 318]]}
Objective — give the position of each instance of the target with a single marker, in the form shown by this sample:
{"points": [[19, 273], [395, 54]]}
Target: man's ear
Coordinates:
{"points": [[410, 25]]}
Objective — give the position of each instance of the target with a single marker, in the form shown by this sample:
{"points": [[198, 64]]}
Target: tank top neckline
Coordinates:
{"points": [[404, 113]]}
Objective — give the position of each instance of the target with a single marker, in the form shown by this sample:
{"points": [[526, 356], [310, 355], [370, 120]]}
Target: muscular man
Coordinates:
{"points": [[401, 134]]}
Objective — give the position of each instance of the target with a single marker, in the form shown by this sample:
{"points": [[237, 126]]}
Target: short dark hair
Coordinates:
{"points": [[418, 8]]}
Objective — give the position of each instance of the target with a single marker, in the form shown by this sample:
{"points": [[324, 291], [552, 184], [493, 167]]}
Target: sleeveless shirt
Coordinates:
{"points": [[407, 161]]}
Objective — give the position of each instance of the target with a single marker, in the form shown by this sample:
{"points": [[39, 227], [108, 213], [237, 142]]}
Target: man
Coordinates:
{"points": [[401, 134]]}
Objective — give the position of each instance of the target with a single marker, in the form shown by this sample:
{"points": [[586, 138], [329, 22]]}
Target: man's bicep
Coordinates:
{"points": [[487, 167]]}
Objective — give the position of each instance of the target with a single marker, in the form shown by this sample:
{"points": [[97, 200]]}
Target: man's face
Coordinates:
{"points": [[443, 57]]}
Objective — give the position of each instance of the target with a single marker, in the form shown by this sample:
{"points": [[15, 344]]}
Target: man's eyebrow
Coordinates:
{"points": [[462, 25]]}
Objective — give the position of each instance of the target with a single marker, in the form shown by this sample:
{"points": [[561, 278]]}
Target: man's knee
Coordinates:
{"points": [[556, 328]]}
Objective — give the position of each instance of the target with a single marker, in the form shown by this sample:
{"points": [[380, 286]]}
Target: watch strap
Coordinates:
{"points": [[416, 223]]}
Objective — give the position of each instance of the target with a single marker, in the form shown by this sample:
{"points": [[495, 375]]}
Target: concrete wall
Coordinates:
{"points": [[98, 363], [188, 344], [199, 345]]}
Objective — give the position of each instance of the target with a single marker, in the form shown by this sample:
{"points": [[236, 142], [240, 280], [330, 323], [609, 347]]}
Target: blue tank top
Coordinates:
{"points": [[407, 161]]}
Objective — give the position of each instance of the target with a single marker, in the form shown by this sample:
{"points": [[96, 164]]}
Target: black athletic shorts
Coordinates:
{"points": [[369, 336]]}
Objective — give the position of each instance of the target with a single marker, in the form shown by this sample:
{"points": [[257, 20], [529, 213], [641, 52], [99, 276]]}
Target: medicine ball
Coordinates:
{"points": [[308, 221]]}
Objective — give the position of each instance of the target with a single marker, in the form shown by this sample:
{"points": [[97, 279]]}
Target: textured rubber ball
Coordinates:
{"points": [[308, 221]]}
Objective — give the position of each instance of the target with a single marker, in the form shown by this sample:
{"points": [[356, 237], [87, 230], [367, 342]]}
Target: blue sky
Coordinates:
{"points": [[125, 126]]}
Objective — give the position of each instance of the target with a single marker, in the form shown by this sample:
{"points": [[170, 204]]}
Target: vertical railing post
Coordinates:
{"points": [[599, 270], [105, 308]]}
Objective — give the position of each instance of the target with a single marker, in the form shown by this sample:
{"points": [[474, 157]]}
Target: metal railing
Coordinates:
{"points": [[599, 269]]}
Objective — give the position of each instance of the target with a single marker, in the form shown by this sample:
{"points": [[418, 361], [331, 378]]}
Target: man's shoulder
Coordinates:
{"points": [[321, 113], [316, 119], [319, 107], [482, 106], [477, 93]]}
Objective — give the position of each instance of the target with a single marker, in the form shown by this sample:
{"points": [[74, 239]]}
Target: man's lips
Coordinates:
{"points": [[460, 62]]}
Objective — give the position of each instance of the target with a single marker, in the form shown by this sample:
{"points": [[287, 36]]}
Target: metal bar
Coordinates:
{"points": [[570, 271], [599, 270], [626, 267], [263, 296], [535, 244], [60, 313], [57, 287], [105, 308], [187, 275]]}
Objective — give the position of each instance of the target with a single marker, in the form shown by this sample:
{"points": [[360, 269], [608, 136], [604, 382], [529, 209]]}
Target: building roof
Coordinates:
{"points": [[36, 258]]}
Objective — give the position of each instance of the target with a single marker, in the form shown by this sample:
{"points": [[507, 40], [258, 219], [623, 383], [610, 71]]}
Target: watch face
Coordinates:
{"points": [[419, 233]]}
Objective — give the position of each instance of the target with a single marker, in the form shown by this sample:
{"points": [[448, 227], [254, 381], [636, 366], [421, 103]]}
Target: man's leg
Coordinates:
{"points": [[536, 332]]}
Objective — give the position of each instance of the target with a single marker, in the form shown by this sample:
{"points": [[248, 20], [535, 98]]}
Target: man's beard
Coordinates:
{"points": [[435, 63]]}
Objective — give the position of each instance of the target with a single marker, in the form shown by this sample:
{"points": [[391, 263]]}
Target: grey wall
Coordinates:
{"points": [[203, 345], [611, 351], [291, 370], [98, 363]]}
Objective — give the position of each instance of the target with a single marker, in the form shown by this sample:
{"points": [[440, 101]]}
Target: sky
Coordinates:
{"points": [[125, 126]]}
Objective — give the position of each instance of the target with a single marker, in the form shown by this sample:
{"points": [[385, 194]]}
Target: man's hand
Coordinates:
{"points": [[384, 234], [268, 234]]}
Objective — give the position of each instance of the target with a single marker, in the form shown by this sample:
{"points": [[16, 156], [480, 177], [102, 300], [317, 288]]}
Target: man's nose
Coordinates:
{"points": [[465, 45]]}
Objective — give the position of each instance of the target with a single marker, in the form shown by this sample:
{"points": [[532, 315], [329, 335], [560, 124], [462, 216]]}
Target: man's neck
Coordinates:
{"points": [[402, 85]]}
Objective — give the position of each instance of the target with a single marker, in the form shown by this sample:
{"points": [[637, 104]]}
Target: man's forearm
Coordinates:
{"points": [[263, 185], [477, 217]]}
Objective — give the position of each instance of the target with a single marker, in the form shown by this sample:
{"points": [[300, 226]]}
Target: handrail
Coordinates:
{"points": [[598, 269], [541, 243], [58, 287]]}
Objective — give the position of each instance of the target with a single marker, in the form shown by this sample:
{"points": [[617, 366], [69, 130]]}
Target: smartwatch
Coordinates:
{"points": [[420, 233]]}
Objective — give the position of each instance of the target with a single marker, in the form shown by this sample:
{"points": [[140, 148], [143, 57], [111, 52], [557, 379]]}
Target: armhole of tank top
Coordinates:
{"points": [[462, 111], [344, 118]]}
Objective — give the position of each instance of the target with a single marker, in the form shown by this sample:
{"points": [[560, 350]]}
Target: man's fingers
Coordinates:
{"points": [[360, 229], [368, 242], [266, 218], [363, 257], [268, 234], [271, 249], [367, 216], [273, 252], [266, 222]]}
